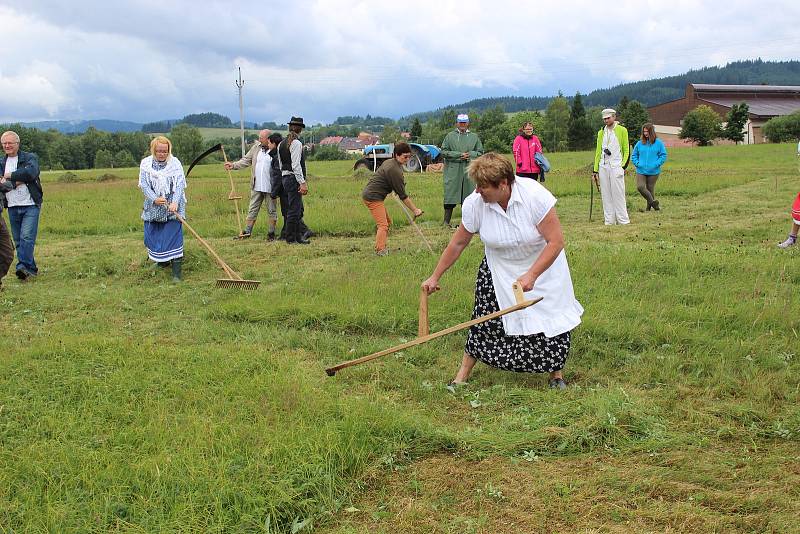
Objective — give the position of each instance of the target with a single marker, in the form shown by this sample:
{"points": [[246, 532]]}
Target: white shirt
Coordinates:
{"points": [[611, 142], [513, 243], [20, 195], [263, 184]]}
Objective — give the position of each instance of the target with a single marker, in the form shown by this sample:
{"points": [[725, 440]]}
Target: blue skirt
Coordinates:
{"points": [[163, 240]]}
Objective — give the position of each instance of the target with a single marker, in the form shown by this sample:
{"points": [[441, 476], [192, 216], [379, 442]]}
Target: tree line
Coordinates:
{"points": [[96, 149], [648, 92], [566, 124], [207, 120]]}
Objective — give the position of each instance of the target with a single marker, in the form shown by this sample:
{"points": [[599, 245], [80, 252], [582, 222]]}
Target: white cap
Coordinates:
{"points": [[462, 117], [608, 112]]}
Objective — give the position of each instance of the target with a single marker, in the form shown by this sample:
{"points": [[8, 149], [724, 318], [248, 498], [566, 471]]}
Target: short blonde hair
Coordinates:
{"points": [[160, 139], [10, 133], [490, 170]]}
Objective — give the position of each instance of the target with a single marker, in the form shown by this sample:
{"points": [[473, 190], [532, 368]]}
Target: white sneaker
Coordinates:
{"points": [[790, 242]]}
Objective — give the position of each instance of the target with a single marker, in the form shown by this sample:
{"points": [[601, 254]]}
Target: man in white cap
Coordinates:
{"points": [[610, 159], [458, 149]]}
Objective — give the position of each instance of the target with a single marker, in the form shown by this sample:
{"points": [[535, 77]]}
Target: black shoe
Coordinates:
{"points": [[655, 205], [271, 236], [308, 234], [22, 275], [557, 383]]}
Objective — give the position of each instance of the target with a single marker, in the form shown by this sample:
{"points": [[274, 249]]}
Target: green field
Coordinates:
{"points": [[132, 404]]}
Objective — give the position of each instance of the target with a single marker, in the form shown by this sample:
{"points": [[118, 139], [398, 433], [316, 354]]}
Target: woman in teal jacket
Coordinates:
{"points": [[648, 156]]}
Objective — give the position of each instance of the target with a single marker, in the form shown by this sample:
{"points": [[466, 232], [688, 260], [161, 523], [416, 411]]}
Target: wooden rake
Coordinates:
{"points": [[423, 328], [233, 195], [233, 280]]}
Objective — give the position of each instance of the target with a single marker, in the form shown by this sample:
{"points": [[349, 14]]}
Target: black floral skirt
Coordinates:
{"points": [[489, 343]]}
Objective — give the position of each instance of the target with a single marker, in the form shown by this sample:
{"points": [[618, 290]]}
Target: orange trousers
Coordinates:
{"points": [[382, 221]]}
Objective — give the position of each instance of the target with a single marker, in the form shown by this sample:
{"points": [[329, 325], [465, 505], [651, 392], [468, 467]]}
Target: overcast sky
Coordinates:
{"points": [[146, 60]]}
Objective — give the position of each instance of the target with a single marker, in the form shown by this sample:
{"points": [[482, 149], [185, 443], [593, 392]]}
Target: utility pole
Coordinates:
{"points": [[239, 83]]}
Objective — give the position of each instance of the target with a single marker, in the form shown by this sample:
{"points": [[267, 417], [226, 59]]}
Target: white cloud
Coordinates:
{"points": [[147, 60]]}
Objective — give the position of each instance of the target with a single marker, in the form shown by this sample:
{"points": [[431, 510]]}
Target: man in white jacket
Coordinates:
{"points": [[259, 161]]}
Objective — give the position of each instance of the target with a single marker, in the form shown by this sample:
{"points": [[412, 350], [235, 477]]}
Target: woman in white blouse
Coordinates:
{"points": [[517, 222]]}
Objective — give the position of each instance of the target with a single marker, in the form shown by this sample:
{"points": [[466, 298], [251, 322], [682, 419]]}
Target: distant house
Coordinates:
{"points": [[764, 101], [331, 140], [368, 138], [353, 145]]}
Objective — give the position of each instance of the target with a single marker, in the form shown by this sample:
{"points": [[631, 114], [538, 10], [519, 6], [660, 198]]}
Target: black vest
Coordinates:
{"points": [[286, 158]]}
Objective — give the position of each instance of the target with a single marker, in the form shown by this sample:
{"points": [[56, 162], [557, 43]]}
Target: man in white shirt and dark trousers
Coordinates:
{"points": [[259, 160], [24, 201], [292, 164], [610, 159]]}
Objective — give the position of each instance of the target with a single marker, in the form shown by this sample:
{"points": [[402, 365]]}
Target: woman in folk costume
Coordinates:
{"points": [[162, 182], [523, 242]]}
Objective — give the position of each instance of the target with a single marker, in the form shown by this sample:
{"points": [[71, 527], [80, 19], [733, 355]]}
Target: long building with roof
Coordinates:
{"points": [[764, 101]]}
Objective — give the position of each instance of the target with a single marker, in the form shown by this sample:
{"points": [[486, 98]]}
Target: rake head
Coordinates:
{"points": [[238, 284]]}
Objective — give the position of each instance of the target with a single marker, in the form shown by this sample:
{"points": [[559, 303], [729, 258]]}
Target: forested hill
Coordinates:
{"points": [[649, 92]]}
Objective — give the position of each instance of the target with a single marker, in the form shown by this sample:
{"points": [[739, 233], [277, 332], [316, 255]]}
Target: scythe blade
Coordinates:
{"points": [[197, 160]]}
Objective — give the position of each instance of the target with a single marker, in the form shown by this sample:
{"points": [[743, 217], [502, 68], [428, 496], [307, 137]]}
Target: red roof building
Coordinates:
{"points": [[331, 140]]}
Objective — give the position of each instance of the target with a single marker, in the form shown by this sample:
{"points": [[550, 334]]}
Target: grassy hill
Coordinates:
{"points": [[131, 404]]}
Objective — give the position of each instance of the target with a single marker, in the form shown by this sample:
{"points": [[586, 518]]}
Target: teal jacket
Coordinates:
{"points": [[625, 147], [649, 157]]}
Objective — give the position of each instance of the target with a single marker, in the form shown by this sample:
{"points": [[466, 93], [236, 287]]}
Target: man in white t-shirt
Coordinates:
{"points": [[24, 200]]}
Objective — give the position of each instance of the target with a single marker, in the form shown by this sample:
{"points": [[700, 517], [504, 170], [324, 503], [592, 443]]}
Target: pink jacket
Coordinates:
{"points": [[524, 149]]}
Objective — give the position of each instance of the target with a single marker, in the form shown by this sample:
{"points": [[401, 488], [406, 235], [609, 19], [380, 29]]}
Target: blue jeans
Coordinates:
{"points": [[24, 222]]}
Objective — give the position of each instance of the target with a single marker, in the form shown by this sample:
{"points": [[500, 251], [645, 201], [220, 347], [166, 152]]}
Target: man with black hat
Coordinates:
{"points": [[292, 161]]}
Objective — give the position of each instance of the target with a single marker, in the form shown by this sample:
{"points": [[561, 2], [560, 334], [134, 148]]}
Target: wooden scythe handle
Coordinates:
{"points": [[410, 217], [423, 328], [232, 195], [424, 339]]}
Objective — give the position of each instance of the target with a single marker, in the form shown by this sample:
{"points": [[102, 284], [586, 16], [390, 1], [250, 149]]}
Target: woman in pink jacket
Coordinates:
{"points": [[525, 146]]}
